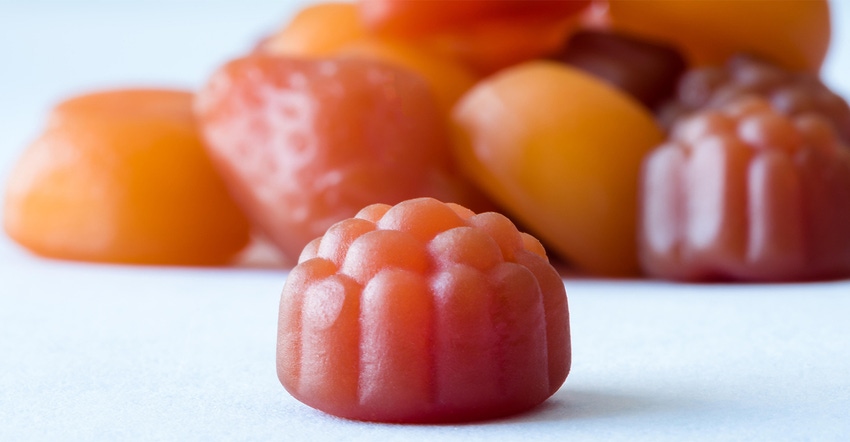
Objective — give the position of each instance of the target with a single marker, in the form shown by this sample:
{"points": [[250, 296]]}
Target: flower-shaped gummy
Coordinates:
{"points": [[423, 312]]}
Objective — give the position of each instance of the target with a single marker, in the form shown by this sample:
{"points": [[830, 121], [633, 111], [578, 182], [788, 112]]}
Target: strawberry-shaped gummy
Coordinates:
{"points": [[304, 143], [646, 70], [746, 193], [423, 312], [790, 92]]}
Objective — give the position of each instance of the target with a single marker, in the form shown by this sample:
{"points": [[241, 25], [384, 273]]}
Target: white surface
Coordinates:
{"points": [[92, 352]]}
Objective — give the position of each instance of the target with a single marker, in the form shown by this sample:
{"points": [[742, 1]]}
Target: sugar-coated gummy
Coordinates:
{"points": [[423, 312], [304, 143]]}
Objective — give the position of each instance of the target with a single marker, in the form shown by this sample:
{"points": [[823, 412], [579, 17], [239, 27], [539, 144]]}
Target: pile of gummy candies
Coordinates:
{"points": [[678, 140]]}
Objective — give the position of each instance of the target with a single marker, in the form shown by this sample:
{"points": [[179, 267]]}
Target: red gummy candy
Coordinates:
{"points": [[789, 92], [745, 193], [306, 143], [423, 312], [647, 71]]}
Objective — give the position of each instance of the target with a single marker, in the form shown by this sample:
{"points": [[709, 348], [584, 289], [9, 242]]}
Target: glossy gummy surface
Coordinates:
{"points": [[560, 150], [484, 35]]}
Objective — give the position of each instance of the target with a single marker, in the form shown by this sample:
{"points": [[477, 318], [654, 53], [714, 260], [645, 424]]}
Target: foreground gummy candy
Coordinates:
{"points": [[121, 176], [423, 312]]}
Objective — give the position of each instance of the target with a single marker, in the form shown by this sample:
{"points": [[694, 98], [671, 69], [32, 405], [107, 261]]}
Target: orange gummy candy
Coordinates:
{"points": [[423, 312], [122, 177], [316, 31], [792, 33], [335, 30], [561, 151]]}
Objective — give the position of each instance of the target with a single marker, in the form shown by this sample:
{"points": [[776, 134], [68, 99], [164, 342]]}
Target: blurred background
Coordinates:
{"points": [[51, 49]]}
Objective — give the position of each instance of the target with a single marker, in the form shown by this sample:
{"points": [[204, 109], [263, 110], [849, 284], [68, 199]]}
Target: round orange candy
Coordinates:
{"points": [[122, 177], [561, 151], [423, 312], [792, 33]]}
